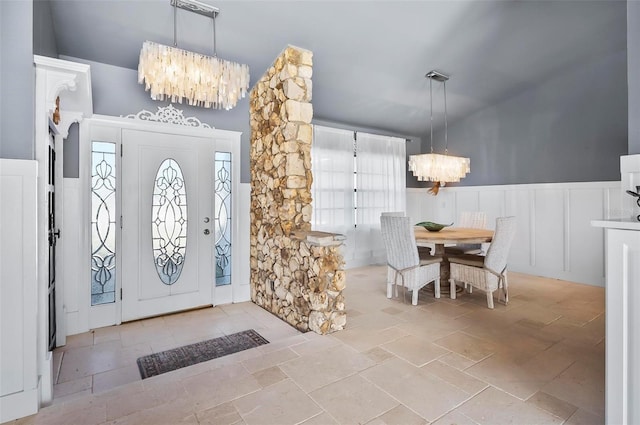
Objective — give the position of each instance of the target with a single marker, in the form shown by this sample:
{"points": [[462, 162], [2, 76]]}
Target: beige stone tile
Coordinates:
{"points": [[503, 373], [71, 387], [322, 419], [71, 397], [378, 354], [269, 376], [415, 350], [412, 386], [326, 366], [364, 339], [375, 320], [224, 414], [467, 345], [107, 334], [455, 418], [448, 309], [430, 328], [457, 361], [219, 385], [582, 385], [400, 415], [465, 382], [268, 360], [114, 378], [314, 345], [52, 416], [353, 400], [127, 404], [493, 406], [553, 405], [393, 310], [88, 360], [84, 339], [143, 334], [582, 417], [175, 412], [282, 403]]}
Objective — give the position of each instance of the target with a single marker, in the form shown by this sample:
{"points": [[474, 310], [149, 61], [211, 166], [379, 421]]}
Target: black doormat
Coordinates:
{"points": [[176, 358]]}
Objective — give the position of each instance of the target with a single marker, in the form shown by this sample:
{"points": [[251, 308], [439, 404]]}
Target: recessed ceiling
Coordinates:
{"points": [[370, 57]]}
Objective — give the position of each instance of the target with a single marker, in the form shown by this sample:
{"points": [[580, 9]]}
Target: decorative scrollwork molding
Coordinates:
{"points": [[168, 115]]}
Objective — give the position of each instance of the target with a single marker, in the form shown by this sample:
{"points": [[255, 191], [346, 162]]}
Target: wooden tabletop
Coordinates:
{"points": [[453, 235]]}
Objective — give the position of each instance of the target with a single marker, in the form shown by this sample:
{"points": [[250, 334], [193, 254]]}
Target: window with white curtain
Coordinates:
{"points": [[356, 176]]}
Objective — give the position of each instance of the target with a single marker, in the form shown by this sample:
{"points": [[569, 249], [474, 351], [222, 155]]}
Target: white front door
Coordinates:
{"points": [[167, 223]]}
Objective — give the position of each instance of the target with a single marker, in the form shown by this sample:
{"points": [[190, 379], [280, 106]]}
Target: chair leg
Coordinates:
{"points": [[452, 284], [436, 287], [505, 288], [414, 297], [389, 289], [490, 299]]}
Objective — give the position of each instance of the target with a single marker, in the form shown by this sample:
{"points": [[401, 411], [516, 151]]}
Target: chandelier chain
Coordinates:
{"points": [[446, 139], [215, 50], [175, 24], [431, 109]]}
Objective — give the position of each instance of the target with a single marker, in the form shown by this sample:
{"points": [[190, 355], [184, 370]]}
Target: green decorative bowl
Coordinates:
{"points": [[433, 227]]}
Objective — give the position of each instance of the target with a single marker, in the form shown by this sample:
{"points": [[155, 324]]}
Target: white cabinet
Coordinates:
{"points": [[622, 390]]}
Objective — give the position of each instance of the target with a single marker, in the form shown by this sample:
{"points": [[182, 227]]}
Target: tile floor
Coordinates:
{"points": [[538, 360]]}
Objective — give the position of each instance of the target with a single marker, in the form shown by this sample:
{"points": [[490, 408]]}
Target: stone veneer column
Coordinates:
{"points": [[298, 282]]}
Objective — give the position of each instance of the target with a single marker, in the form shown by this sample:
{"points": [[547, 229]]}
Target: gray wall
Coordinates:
{"points": [[17, 87], [116, 92], [571, 128], [633, 67], [44, 38]]}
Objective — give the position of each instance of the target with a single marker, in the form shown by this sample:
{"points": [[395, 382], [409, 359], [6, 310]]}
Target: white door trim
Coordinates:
{"points": [[109, 128]]}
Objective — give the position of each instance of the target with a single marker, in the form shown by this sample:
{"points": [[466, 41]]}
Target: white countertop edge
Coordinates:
{"points": [[622, 223]]}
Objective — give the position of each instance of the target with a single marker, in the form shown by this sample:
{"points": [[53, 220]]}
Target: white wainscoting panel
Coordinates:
{"points": [[554, 237], [18, 289]]}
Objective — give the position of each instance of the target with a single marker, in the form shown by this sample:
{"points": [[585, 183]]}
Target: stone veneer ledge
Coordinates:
{"points": [[299, 282]]}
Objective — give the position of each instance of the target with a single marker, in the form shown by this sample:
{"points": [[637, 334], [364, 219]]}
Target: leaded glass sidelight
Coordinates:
{"points": [[169, 221], [103, 223], [222, 217]]}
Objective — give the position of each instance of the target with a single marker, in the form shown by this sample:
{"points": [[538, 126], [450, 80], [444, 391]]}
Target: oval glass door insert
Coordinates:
{"points": [[169, 221]]}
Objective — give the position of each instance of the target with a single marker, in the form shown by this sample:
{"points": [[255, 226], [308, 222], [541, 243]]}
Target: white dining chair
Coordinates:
{"points": [[469, 220], [489, 272], [404, 267]]}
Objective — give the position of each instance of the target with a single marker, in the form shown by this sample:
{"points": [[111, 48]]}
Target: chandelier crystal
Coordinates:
{"points": [[174, 74], [437, 167]]}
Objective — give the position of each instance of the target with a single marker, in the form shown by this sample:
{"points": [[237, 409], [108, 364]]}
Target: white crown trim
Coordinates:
{"points": [[168, 115]]}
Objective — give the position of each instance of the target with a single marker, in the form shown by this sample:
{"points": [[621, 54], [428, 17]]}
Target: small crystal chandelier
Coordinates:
{"points": [[206, 81], [436, 167]]}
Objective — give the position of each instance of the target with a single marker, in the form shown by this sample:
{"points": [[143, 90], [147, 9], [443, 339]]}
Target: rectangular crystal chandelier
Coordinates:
{"points": [[437, 167], [174, 74]]}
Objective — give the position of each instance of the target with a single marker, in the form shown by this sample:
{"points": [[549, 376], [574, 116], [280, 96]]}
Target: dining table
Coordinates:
{"points": [[447, 236]]}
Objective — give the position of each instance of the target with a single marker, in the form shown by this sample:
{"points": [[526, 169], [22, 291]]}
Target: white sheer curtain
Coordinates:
{"points": [[381, 185], [333, 182], [377, 177]]}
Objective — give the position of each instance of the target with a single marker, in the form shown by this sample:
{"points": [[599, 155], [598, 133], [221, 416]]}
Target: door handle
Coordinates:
{"points": [[207, 231]]}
